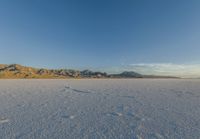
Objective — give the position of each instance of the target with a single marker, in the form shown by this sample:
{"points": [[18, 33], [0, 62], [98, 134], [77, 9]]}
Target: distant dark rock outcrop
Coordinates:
{"points": [[127, 74], [88, 74]]}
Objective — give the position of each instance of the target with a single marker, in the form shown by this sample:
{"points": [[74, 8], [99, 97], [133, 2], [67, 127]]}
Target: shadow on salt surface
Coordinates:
{"points": [[128, 97], [81, 91], [68, 88]]}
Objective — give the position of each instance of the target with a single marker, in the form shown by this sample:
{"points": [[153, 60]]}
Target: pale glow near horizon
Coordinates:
{"points": [[166, 69]]}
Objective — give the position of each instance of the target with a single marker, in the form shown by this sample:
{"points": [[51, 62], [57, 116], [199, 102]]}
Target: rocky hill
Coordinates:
{"points": [[19, 71], [15, 71]]}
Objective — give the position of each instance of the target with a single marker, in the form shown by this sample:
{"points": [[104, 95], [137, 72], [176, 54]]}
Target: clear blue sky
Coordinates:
{"points": [[99, 33]]}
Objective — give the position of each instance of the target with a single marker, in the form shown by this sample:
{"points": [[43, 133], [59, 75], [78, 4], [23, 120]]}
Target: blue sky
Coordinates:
{"points": [[100, 34]]}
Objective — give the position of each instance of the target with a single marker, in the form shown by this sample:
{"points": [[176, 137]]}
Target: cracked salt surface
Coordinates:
{"points": [[100, 108]]}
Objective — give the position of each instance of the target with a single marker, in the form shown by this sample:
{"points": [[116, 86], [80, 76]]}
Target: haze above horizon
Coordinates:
{"points": [[157, 37]]}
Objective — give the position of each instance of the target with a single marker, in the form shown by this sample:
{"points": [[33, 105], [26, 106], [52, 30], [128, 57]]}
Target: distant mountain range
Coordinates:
{"points": [[15, 71]]}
